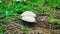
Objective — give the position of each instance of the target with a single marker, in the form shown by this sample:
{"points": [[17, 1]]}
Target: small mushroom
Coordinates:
{"points": [[28, 19], [28, 16], [28, 13]]}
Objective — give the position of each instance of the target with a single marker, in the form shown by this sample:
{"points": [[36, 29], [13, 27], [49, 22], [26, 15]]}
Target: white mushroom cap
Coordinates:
{"points": [[28, 19], [28, 13]]}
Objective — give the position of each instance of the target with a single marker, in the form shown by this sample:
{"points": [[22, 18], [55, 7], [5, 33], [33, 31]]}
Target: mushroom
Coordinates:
{"points": [[28, 13], [28, 16], [28, 19]]}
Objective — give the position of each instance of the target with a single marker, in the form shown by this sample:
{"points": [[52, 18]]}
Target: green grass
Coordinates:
{"points": [[52, 20]]}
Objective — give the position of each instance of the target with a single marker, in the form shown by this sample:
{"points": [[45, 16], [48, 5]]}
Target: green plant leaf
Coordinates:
{"points": [[52, 20]]}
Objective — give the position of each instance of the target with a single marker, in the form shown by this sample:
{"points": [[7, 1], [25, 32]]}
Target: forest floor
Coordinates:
{"points": [[41, 26]]}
